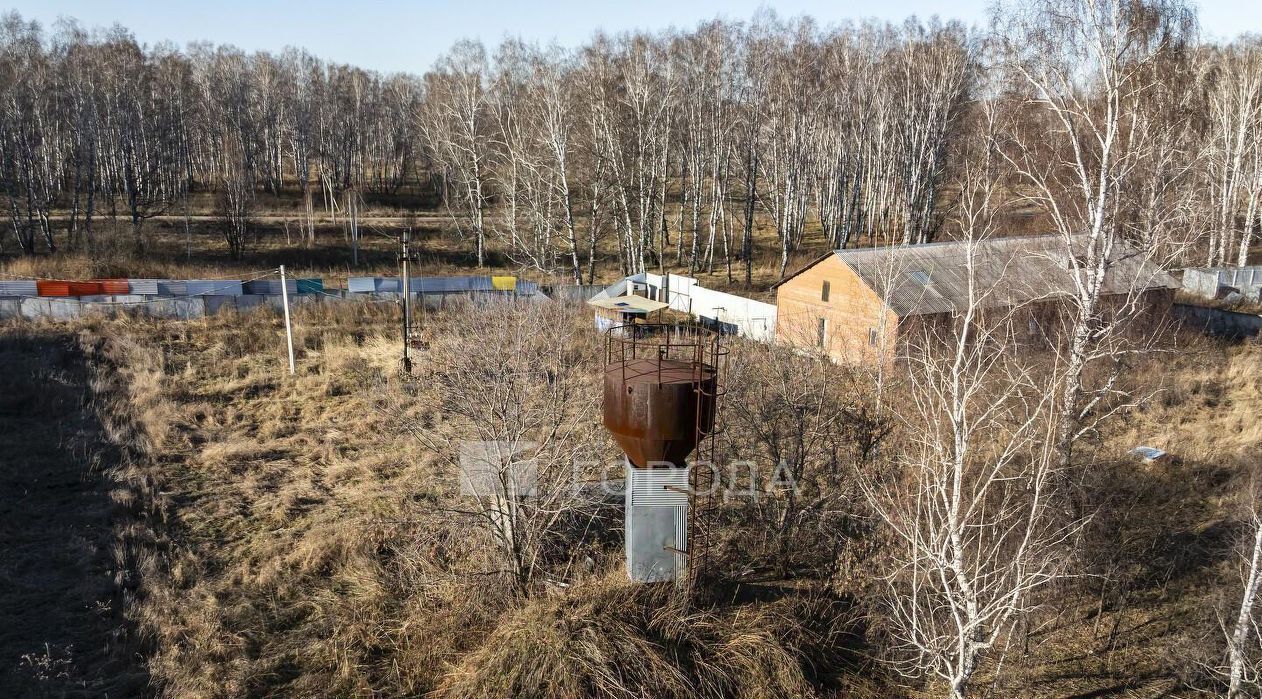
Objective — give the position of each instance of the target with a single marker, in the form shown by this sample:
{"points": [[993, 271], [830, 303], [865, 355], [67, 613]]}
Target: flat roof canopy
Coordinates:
{"points": [[628, 304]]}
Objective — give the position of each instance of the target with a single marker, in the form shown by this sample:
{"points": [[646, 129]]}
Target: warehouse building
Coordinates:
{"points": [[856, 306]]}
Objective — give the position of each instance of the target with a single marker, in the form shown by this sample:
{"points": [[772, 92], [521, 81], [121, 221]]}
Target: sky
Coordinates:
{"points": [[408, 36]]}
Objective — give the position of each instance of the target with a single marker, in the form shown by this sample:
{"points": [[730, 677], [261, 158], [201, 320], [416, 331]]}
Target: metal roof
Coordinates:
{"points": [[628, 304], [933, 278]]}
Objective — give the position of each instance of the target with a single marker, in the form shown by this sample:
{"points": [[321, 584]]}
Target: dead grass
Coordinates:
{"points": [[269, 505], [1206, 406], [171, 253], [609, 638], [282, 542], [282, 539]]}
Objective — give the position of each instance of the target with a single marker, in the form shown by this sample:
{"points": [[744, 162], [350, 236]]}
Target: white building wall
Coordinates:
{"points": [[1209, 281], [736, 314]]}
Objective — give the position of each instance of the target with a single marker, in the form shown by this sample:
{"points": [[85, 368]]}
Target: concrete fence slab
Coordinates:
{"points": [[216, 304], [10, 308], [53, 308]]}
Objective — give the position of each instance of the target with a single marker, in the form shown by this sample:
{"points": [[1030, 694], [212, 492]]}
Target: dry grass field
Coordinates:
{"points": [[284, 539], [257, 534], [190, 508]]}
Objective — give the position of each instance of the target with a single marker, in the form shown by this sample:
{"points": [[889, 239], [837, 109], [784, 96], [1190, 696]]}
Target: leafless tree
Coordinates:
{"points": [[1235, 126], [1242, 633], [1082, 72], [665, 142], [513, 379], [789, 416], [970, 504], [454, 120], [235, 202]]}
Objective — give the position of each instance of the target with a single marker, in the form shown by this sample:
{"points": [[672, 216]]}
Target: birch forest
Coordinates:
{"points": [[642, 151]]}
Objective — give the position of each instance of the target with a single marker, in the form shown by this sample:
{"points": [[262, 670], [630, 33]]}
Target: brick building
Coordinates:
{"points": [[857, 305]]}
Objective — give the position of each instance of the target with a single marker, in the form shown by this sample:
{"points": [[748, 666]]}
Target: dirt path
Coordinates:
{"points": [[62, 632]]}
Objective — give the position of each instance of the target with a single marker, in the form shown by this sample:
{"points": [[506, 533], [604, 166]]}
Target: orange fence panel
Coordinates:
{"points": [[113, 287], [48, 287], [85, 288]]}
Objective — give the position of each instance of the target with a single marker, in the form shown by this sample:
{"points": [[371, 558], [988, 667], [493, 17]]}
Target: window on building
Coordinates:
{"points": [[921, 277], [823, 296], [822, 332], [874, 336]]}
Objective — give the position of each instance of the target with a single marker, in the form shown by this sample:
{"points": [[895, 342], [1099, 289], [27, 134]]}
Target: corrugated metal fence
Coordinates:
{"points": [[192, 298], [1213, 282]]}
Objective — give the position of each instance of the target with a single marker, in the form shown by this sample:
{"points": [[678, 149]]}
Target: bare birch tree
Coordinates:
{"points": [[972, 507], [970, 504], [1235, 129], [1244, 668], [1082, 73], [453, 120]]}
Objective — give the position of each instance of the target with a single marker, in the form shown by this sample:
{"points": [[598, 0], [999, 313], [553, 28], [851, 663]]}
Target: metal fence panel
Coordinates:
{"points": [[214, 287], [269, 286], [19, 287], [148, 287]]}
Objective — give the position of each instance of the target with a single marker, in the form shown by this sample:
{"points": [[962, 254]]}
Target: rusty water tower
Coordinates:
{"points": [[662, 388]]}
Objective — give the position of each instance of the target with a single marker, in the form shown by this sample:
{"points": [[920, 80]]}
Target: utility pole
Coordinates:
{"points": [[405, 257], [289, 332], [352, 207]]}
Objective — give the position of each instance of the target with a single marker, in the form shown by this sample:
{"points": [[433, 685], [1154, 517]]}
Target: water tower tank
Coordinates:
{"points": [[660, 400], [657, 409]]}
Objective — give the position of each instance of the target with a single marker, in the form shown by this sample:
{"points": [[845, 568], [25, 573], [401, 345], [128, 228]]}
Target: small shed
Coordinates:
{"points": [[622, 310]]}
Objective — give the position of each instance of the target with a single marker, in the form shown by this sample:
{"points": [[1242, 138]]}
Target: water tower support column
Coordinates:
{"points": [[656, 523]]}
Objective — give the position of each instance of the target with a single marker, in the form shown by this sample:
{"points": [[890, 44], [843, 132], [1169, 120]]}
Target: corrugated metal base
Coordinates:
{"points": [[656, 524], [213, 287], [269, 286], [658, 486]]}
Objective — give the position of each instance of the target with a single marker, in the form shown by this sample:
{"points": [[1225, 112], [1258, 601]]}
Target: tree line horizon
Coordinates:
{"points": [[675, 145]]}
